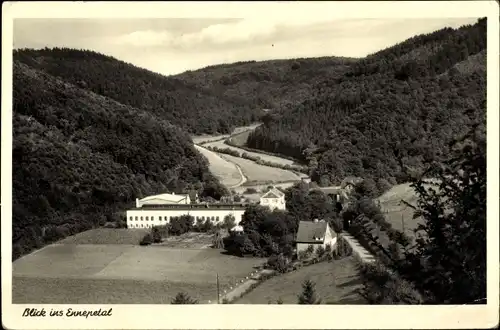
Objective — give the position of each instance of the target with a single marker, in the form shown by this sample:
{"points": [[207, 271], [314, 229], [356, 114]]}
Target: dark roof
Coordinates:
{"points": [[308, 230]]}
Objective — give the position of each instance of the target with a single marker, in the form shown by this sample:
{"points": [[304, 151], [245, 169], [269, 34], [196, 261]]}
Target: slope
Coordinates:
{"points": [[79, 158], [193, 108], [390, 113], [268, 84]]}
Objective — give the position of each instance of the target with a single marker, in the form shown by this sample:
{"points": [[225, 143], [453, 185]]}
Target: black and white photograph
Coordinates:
{"points": [[272, 159]]}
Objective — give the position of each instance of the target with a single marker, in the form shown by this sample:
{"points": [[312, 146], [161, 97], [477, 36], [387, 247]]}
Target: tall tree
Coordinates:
{"points": [[451, 249]]}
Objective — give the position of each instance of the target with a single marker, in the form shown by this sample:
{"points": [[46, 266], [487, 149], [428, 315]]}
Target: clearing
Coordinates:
{"points": [[123, 274], [337, 282], [268, 158], [227, 172], [397, 212], [261, 173]]}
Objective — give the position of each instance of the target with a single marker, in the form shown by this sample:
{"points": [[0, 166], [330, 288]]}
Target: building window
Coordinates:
{"points": [[159, 218], [152, 218], [217, 219], [142, 218], [147, 218], [130, 218], [213, 219], [203, 218], [136, 218]]}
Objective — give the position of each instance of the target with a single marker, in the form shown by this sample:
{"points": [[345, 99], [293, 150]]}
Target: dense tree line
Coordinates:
{"points": [[191, 107], [80, 159], [389, 114]]}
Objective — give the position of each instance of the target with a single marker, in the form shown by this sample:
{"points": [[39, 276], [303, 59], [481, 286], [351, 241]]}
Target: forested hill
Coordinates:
{"points": [[80, 158], [390, 112], [191, 107], [268, 84]]}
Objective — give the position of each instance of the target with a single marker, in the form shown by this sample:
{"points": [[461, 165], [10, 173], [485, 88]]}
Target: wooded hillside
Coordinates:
{"points": [[390, 112], [195, 109], [80, 158]]}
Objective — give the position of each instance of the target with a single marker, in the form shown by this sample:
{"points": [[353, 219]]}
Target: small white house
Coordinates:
{"points": [[274, 199], [316, 233]]}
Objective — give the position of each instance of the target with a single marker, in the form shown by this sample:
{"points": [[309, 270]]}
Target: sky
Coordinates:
{"points": [[174, 45]]}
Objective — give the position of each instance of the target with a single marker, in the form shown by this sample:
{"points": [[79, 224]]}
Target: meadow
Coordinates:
{"points": [[336, 283], [265, 157], [123, 274], [107, 236], [225, 171], [261, 173], [397, 212]]}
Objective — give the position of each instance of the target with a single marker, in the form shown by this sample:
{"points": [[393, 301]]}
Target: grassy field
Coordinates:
{"points": [[269, 158], [123, 274], [336, 283], [256, 172], [396, 212], [107, 236], [225, 171]]}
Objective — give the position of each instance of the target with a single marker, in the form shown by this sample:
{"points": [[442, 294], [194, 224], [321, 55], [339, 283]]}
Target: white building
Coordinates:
{"points": [[274, 199], [315, 233], [163, 199], [158, 210]]}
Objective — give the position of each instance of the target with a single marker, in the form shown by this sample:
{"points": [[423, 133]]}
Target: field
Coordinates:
{"points": [[123, 274], [268, 158], [397, 212], [336, 283], [107, 236], [225, 171], [256, 172]]}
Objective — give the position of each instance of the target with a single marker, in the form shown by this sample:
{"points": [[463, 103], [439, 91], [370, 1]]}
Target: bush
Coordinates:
{"points": [[147, 240], [156, 235], [183, 298], [181, 225], [320, 251], [229, 222], [250, 191], [279, 263]]}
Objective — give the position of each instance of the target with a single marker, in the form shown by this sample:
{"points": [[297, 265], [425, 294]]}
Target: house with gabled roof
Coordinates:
{"points": [[314, 233], [274, 199]]}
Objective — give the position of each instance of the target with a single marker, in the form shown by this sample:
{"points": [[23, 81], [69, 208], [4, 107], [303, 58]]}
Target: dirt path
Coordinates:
{"points": [[243, 178]]}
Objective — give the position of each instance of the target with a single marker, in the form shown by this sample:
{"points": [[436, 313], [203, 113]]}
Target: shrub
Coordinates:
{"points": [[250, 191], [183, 298], [308, 295], [229, 222], [279, 263], [156, 235], [320, 251], [181, 225], [147, 239]]}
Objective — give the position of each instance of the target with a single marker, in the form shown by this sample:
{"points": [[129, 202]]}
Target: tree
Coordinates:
{"points": [[451, 253], [183, 299], [308, 295], [229, 222]]}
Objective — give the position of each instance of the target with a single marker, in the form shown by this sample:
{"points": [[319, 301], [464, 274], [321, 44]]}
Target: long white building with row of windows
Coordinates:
{"points": [[159, 210]]}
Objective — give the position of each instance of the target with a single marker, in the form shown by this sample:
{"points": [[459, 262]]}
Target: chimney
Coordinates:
{"points": [[173, 193], [315, 220], [137, 204]]}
